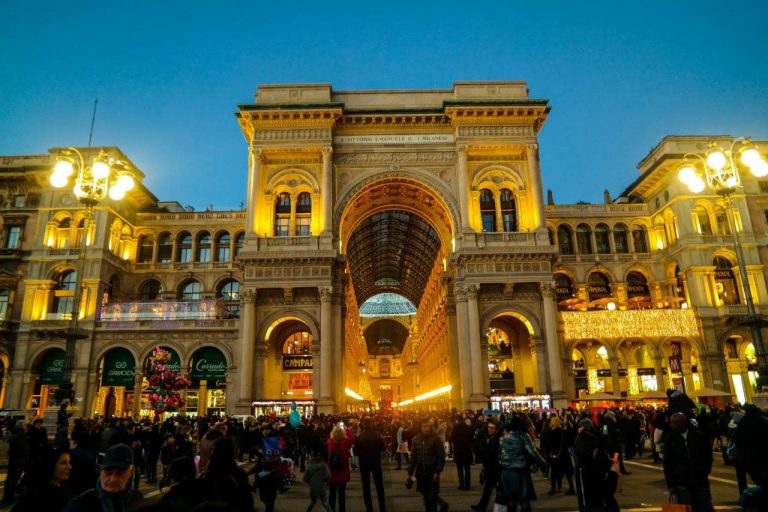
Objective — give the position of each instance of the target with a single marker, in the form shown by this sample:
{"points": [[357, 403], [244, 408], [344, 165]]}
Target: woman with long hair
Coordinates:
{"points": [[516, 484], [225, 482], [338, 462], [45, 488]]}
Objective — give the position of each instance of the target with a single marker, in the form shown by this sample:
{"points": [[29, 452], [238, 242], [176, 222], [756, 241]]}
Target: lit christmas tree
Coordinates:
{"points": [[165, 384]]}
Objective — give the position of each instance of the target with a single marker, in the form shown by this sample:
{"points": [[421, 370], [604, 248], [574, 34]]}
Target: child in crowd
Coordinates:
{"points": [[317, 475]]}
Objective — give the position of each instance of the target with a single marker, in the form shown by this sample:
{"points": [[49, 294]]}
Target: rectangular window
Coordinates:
{"points": [[489, 222], [19, 201], [13, 237], [281, 226], [185, 254], [302, 226], [204, 254], [223, 254]]}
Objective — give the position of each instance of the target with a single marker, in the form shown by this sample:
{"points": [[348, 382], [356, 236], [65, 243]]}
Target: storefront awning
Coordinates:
{"points": [[209, 363], [52, 367], [119, 368]]}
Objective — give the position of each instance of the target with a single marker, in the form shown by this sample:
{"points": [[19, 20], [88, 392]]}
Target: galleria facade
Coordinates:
{"points": [[396, 250]]}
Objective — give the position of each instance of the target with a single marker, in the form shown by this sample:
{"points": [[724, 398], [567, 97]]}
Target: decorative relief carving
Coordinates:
{"points": [[496, 131], [293, 134], [395, 158], [496, 158], [287, 272], [326, 293], [507, 267]]}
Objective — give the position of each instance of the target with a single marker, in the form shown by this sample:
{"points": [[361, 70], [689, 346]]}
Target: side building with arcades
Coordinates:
{"points": [[396, 250]]}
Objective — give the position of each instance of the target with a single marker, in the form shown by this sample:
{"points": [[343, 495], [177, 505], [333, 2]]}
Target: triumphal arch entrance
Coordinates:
{"points": [[396, 252]]}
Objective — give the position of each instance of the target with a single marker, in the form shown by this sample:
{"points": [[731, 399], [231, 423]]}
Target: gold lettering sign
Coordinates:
{"points": [[297, 362]]}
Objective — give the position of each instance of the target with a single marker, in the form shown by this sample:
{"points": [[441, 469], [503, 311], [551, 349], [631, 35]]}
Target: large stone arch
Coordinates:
{"points": [[36, 355], [345, 220], [288, 314], [133, 348], [522, 313]]}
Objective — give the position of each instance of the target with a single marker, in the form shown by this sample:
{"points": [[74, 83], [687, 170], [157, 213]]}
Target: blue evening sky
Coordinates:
{"points": [[169, 75]]}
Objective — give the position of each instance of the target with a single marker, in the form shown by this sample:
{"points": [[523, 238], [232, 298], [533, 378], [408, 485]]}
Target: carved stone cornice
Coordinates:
{"points": [[471, 291], [547, 289], [356, 124], [496, 131], [291, 134], [248, 296], [378, 158]]}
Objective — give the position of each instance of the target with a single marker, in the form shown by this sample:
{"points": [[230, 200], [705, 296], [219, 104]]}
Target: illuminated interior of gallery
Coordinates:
{"points": [[396, 250]]}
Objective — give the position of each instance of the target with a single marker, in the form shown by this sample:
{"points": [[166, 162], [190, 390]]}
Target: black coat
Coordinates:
{"points": [[462, 438], [427, 455], [368, 447], [18, 448], [687, 463], [488, 450], [50, 498]]}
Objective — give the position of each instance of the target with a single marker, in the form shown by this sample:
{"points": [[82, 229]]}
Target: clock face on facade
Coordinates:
{"points": [[67, 200]]}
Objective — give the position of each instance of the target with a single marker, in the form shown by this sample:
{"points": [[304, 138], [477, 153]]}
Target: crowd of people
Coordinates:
{"points": [[209, 464]]}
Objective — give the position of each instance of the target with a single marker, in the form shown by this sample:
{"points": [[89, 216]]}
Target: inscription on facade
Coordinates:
{"points": [[395, 158], [424, 138]]}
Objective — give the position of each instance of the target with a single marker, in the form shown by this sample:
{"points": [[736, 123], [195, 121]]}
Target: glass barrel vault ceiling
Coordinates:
{"points": [[392, 251]]}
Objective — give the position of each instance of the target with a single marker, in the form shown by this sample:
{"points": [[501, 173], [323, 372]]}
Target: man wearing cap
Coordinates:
{"points": [[113, 490]]}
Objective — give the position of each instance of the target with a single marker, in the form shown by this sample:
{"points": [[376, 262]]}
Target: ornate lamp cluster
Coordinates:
{"points": [[93, 181], [719, 167]]}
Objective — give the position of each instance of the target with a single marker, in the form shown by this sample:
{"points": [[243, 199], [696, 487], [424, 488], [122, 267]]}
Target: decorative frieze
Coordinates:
{"points": [[285, 272], [509, 267], [496, 131], [292, 134], [413, 157]]}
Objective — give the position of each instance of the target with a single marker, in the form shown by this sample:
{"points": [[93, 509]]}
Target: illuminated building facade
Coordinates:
{"points": [[396, 248]]}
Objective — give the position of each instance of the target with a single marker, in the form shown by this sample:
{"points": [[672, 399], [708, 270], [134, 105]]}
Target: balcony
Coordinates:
{"points": [[596, 210], [505, 241], [209, 309]]}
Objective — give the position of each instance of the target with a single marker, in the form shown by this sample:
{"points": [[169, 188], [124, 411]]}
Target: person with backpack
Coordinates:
{"points": [[516, 485], [338, 462]]}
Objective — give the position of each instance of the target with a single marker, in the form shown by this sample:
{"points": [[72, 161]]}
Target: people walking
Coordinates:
{"points": [[338, 462], [369, 446], [427, 462], [491, 470], [18, 459], [687, 464], [462, 440], [317, 475], [403, 438], [516, 485]]}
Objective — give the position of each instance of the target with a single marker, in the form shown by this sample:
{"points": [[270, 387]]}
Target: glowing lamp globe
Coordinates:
{"points": [[117, 192], [716, 160], [64, 168], [100, 170], [686, 174], [125, 182], [58, 180], [696, 185], [759, 169], [750, 157]]}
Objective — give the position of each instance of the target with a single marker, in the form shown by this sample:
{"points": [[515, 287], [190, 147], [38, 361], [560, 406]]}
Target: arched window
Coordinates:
{"points": [[637, 285], [702, 220], [584, 239], [64, 294], [185, 248], [164, 248], [191, 290], [204, 247], [620, 238], [303, 214], [239, 243], [601, 239], [5, 297], [229, 292], [598, 286], [564, 239], [151, 290], [146, 245], [725, 281], [721, 217], [62, 233], [508, 210], [639, 238], [222, 246], [563, 290], [680, 282], [298, 343], [487, 211], [283, 214], [79, 233]]}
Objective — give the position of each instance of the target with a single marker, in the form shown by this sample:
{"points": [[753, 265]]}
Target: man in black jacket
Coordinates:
{"points": [[489, 457], [18, 459], [687, 464], [368, 447], [427, 462]]}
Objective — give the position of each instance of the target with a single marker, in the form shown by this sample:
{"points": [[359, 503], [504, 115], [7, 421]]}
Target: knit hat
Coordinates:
{"points": [[586, 424]]}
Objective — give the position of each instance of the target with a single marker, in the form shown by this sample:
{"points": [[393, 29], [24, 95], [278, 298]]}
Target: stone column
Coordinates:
{"points": [[453, 348], [537, 350], [688, 377], [247, 342], [536, 193], [325, 404], [658, 369], [475, 353], [614, 362], [552, 339], [316, 371], [484, 357], [137, 392], [465, 364], [463, 187], [259, 366], [292, 218], [327, 189], [91, 391], [254, 182]]}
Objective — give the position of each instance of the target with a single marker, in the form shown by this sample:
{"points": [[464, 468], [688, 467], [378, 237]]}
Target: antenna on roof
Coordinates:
{"points": [[93, 120]]}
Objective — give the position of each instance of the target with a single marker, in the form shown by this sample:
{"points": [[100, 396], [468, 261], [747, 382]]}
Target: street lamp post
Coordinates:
{"points": [[93, 181], [721, 173]]}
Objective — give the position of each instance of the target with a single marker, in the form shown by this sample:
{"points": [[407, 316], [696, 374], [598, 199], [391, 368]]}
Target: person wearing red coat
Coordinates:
{"points": [[340, 441]]}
